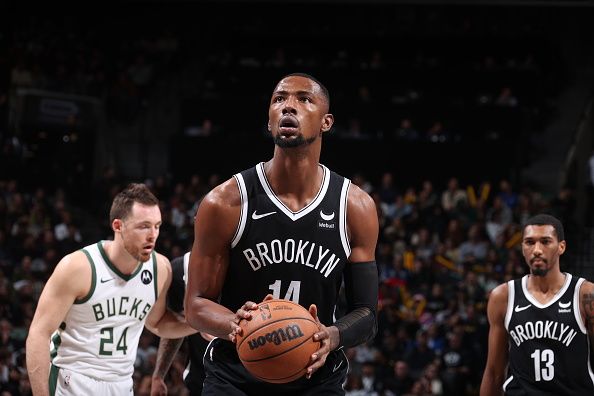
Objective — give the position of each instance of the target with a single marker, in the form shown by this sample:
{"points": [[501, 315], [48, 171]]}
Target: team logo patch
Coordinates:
{"points": [[146, 277], [326, 217], [327, 221], [564, 307]]}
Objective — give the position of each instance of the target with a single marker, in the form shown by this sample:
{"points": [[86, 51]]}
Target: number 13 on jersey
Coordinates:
{"points": [[543, 364]]}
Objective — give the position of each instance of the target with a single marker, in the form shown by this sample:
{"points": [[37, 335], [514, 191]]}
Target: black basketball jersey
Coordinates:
{"points": [[194, 373], [298, 256], [549, 349]]}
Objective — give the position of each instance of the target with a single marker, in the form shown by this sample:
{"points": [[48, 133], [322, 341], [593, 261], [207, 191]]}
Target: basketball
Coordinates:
{"points": [[277, 342]]}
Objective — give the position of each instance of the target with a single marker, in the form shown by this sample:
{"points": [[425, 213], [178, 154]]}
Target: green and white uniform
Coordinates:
{"points": [[99, 336]]}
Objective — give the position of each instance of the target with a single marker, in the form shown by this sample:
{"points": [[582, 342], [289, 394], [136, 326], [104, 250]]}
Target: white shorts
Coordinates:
{"points": [[63, 382]]}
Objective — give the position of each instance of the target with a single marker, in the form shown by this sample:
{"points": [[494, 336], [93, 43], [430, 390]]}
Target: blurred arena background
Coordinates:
{"points": [[461, 118]]}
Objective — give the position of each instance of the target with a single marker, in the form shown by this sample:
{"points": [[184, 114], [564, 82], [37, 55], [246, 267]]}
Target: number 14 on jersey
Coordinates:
{"points": [[292, 293]]}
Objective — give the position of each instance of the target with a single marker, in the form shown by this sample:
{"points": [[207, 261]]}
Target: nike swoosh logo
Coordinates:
{"points": [[106, 280], [336, 367], [520, 309], [256, 216], [326, 217], [564, 305]]}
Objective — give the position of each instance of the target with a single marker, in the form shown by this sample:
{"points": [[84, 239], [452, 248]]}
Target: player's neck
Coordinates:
{"points": [[547, 285], [120, 257], [295, 181]]}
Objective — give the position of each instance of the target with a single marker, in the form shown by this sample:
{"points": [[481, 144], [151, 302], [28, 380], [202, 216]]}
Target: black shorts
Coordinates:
{"points": [[195, 371], [225, 375]]}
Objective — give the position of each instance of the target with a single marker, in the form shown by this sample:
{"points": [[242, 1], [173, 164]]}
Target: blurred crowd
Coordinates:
{"points": [[440, 252]]}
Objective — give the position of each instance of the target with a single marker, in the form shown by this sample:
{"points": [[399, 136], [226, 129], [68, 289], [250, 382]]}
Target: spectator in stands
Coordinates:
{"points": [[437, 133], [457, 362], [406, 131], [506, 98], [453, 197], [420, 355], [498, 217], [400, 381], [475, 247]]}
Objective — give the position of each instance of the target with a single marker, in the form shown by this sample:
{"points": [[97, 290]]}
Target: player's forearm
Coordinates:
{"points": [[492, 385], [168, 347], [356, 327], [209, 317], [171, 326], [38, 363]]}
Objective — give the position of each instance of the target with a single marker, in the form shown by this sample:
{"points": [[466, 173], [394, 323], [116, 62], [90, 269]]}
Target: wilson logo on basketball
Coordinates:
{"points": [[276, 337]]}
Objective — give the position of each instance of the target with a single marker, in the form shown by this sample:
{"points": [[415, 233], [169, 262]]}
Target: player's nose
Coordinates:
{"points": [[289, 106]]}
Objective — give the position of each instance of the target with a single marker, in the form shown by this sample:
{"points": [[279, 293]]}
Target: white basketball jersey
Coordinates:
{"points": [[99, 336]]}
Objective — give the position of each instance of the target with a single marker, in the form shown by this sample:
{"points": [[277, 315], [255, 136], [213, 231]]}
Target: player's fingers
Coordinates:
{"points": [[318, 360], [249, 306], [320, 335], [243, 314], [235, 331], [313, 310]]}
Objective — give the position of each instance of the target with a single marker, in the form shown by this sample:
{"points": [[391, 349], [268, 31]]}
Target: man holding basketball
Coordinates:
{"points": [[292, 229]]}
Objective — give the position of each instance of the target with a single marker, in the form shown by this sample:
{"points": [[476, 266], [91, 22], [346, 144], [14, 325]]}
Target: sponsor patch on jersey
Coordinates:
{"points": [[146, 277], [326, 226]]}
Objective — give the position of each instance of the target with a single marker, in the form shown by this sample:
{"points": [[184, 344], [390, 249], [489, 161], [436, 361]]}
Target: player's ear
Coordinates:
{"points": [[562, 246], [269, 128], [327, 122], [116, 225]]}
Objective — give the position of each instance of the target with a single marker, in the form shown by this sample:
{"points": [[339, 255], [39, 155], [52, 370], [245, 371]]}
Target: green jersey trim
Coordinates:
{"points": [[155, 273], [93, 280], [114, 268], [53, 379]]}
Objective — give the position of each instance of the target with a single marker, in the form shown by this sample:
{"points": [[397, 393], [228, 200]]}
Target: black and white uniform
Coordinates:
{"points": [[194, 373], [298, 256], [549, 349]]}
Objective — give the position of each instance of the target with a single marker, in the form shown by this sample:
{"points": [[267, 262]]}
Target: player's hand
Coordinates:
{"points": [[268, 297], [329, 339], [158, 387], [242, 313]]}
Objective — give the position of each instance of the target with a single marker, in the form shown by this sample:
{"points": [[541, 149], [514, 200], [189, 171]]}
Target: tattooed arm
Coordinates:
{"points": [[168, 347], [587, 308]]}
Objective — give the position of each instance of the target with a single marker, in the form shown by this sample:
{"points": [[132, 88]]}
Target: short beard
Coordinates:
{"points": [[136, 253], [540, 271], [297, 141]]}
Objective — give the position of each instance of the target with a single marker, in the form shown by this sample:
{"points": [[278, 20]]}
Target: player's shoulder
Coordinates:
{"points": [[75, 261], [587, 288], [163, 262], [223, 195], [499, 294], [359, 199], [75, 265]]}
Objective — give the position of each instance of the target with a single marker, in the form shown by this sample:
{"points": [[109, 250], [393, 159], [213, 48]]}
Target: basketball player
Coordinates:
{"points": [[194, 373], [541, 325], [97, 302], [291, 228]]}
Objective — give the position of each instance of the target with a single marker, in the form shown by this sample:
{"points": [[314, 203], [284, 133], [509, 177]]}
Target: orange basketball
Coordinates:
{"points": [[277, 342]]}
